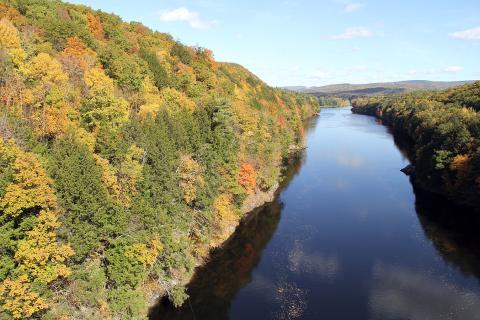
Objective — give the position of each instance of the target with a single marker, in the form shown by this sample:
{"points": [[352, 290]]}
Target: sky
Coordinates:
{"points": [[313, 43]]}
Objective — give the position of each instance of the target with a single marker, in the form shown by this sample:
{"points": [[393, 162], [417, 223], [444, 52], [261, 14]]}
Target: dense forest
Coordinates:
{"points": [[330, 101], [443, 128], [125, 156]]}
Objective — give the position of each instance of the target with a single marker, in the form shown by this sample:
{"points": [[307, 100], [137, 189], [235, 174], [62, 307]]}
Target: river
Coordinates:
{"points": [[348, 237]]}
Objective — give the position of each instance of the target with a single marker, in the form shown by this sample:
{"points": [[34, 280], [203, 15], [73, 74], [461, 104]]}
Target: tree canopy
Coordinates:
{"points": [[125, 156]]}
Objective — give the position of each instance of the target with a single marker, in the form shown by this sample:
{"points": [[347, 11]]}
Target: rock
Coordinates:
{"points": [[259, 198], [409, 170]]}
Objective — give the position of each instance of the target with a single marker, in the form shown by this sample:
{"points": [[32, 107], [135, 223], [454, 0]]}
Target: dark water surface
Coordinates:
{"points": [[347, 238]]}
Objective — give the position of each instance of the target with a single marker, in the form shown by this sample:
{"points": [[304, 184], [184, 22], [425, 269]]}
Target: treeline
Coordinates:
{"points": [[328, 101], [124, 157], [444, 128]]}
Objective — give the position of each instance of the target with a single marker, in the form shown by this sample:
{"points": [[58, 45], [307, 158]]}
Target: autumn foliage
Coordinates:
{"points": [[124, 157], [37, 257], [247, 177]]}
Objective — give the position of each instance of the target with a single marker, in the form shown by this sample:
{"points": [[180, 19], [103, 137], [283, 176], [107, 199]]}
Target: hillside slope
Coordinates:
{"points": [[124, 157], [346, 90]]}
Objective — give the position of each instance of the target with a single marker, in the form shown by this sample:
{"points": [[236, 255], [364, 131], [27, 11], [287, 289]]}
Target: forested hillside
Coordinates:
{"points": [[124, 157], [359, 90], [326, 101], [444, 129]]}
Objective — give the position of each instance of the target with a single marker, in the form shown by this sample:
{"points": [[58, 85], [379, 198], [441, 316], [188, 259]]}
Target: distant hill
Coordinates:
{"points": [[347, 90]]}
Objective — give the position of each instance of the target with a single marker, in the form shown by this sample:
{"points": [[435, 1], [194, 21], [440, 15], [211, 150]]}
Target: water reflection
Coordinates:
{"points": [[292, 301], [455, 236], [229, 269], [452, 229], [401, 293], [303, 262], [350, 161]]}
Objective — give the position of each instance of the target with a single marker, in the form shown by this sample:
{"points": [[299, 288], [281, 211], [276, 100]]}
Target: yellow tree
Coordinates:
{"points": [[101, 107], [98, 82], [47, 69], [38, 255], [130, 171], [19, 300], [30, 188], [11, 90], [10, 41], [109, 178], [191, 177], [9, 38], [50, 114], [226, 217], [151, 97]]}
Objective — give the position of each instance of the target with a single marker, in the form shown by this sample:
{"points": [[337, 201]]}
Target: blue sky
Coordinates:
{"points": [[306, 42]]}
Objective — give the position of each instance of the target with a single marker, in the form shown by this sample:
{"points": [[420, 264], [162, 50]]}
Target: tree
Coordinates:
{"points": [[30, 188], [9, 38], [247, 177], [46, 69], [101, 107], [160, 75], [39, 254], [182, 53], [191, 177], [19, 300], [10, 42], [76, 58], [92, 216], [95, 26], [29, 202]]}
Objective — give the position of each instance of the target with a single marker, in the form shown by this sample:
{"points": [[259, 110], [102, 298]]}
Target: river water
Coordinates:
{"points": [[348, 237]]}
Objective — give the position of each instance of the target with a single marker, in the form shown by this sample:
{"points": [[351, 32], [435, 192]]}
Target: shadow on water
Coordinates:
{"points": [[229, 268], [453, 231]]}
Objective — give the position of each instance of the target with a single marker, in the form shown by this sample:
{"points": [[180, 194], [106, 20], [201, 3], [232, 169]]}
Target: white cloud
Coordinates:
{"points": [[350, 161], [351, 7], [182, 14], [402, 293], [303, 262], [453, 69], [469, 34], [354, 32]]}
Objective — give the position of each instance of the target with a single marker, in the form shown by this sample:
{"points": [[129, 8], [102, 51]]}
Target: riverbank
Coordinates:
{"points": [[443, 141], [408, 144], [251, 206]]}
